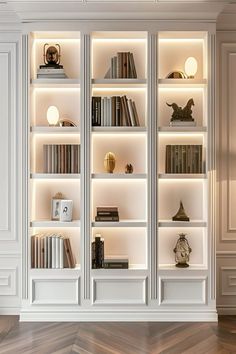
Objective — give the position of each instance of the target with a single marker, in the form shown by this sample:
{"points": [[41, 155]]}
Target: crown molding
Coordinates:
{"points": [[31, 10]]}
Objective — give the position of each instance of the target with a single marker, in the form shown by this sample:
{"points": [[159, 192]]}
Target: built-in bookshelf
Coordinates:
{"points": [[177, 146], [126, 136], [55, 150], [122, 137]]}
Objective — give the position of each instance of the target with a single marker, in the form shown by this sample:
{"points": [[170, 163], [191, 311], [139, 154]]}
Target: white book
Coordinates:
{"points": [[57, 251], [53, 251], [45, 246], [179, 123], [49, 258], [102, 112]]}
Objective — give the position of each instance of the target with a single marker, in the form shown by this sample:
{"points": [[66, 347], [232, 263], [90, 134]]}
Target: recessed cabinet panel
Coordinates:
{"points": [[119, 291], [53, 291], [180, 291]]}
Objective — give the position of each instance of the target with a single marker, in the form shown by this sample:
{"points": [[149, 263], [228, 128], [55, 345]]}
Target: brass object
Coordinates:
{"points": [[109, 162], [64, 122], [182, 114], [52, 55], [176, 75], [180, 215], [129, 168], [182, 252]]}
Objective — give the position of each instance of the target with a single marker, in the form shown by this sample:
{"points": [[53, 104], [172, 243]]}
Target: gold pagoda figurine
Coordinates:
{"points": [[180, 215]]}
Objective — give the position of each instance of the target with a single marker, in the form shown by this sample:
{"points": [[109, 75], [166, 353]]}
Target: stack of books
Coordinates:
{"points": [[107, 213], [184, 159], [59, 158], [98, 252], [114, 111], [51, 251], [45, 72], [116, 262], [122, 66]]}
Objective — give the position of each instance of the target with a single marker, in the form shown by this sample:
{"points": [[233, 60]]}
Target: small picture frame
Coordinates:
{"points": [[56, 206], [66, 209]]}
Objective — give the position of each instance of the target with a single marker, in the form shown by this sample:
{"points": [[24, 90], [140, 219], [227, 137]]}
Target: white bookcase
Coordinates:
{"points": [[153, 288]]}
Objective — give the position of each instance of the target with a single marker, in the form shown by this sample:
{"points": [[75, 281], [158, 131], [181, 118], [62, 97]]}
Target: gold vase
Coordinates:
{"points": [[109, 162]]}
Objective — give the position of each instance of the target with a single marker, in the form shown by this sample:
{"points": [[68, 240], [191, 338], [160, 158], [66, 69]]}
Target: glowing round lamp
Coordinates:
{"points": [[52, 115], [190, 67]]}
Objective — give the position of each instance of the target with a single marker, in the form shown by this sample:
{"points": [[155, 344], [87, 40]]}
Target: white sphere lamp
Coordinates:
{"points": [[52, 115], [190, 67]]}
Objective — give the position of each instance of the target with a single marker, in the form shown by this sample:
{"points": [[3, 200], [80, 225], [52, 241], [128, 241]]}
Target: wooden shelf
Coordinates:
{"points": [[55, 175], [119, 175], [170, 223], [55, 130], [182, 83], [182, 129], [119, 129], [54, 223], [127, 83], [51, 83], [122, 223], [182, 176]]}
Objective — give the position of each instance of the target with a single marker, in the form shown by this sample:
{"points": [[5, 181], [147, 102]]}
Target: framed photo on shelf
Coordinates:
{"points": [[66, 210], [56, 206]]}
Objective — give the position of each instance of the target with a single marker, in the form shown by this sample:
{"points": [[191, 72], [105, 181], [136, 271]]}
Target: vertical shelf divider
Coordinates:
{"points": [[152, 161], [25, 164], [211, 158], [85, 136]]}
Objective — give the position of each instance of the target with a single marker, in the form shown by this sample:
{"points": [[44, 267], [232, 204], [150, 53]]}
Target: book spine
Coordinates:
{"points": [[61, 252]]}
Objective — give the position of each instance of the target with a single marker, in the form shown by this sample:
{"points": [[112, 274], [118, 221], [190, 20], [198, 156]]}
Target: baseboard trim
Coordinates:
{"points": [[228, 311], [154, 316], [10, 311]]}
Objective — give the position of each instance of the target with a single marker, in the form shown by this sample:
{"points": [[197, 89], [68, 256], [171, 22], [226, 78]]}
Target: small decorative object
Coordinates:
{"points": [[98, 252], [66, 210], [64, 122], [190, 67], [52, 56], [56, 206], [129, 168], [109, 162], [52, 115], [182, 114], [181, 215], [182, 252], [176, 75]]}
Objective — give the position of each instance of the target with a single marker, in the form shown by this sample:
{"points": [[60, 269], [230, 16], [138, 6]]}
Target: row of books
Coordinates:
{"points": [[109, 262], [61, 158], [107, 213], [51, 73], [122, 66], [114, 111], [184, 159], [51, 251]]}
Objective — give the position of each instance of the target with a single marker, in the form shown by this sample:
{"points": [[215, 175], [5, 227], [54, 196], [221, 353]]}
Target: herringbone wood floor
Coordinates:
{"points": [[117, 338]]}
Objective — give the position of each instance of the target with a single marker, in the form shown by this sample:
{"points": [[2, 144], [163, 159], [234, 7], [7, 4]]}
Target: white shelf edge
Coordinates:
{"points": [[182, 176], [122, 223], [119, 176], [119, 129], [119, 82], [76, 269], [172, 267], [169, 223], [52, 223], [53, 130], [132, 267], [193, 83], [47, 83], [182, 129], [55, 176]]}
